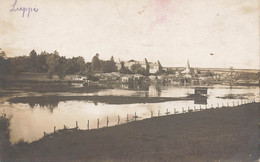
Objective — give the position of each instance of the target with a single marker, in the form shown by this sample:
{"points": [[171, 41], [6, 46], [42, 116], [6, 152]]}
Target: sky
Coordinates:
{"points": [[210, 33]]}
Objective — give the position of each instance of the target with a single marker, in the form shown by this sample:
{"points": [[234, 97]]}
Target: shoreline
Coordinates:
{"points": [[96, 99], [228, 133]]}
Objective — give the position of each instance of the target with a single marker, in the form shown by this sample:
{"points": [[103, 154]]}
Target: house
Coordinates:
{"points": [[150, 67], [155, 67], [129, 63], [127, 79]]}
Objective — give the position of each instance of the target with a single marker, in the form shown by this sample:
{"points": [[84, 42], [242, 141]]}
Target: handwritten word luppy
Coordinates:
{"points": [[25, 10]]}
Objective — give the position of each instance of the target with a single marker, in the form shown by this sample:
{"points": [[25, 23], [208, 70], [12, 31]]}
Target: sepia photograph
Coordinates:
{"points": [[129, 81]]}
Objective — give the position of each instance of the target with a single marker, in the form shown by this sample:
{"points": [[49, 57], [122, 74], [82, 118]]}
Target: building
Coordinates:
{"points": [[155, 67], [150, 67], [187, 70]]}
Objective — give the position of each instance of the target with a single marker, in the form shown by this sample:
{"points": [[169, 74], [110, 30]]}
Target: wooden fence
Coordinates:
{"points": [[136, 117]]}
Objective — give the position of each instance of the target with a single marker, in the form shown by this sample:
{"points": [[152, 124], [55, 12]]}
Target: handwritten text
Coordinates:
{"points": [[25, 10]]}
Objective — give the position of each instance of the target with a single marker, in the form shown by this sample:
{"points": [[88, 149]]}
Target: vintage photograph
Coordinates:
{"points": [[129, 81]]}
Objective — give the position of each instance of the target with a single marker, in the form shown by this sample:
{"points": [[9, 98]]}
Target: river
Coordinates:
{"points": [[28, 122]]}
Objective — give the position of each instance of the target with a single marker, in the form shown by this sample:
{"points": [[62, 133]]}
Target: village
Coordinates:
{"points": [[144, 72]]}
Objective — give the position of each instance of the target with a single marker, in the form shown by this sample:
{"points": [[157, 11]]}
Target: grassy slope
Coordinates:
{"points": [[215, 134]]}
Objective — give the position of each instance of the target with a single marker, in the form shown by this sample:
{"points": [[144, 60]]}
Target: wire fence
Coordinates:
{"points": [[153, 114]]}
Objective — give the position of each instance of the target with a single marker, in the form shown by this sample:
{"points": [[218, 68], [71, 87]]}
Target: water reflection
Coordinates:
{"points": [[49, 105], [201, 100], [31, 119]]}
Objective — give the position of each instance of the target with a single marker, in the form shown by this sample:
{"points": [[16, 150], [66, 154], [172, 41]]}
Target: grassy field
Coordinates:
{"points": [[224, 134]]}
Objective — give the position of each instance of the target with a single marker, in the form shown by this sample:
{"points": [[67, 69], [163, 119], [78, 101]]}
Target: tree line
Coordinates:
{"points": [[54, 64]]}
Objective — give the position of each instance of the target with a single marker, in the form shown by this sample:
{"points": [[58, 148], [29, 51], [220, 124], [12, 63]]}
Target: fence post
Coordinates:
{"points": [[107, 121], [205, 106], [211, 105], [151, 114], [227, 104], [222, 104], [54, 129], [218, 105], [126, 118], [118, 119], [167, 112], [97, 123], [188, 108], [65, 127], [44, 134], [200, 107], [88, 124], [182, 110], [76, 124], [194, 108], [135, 116], [158, 112], [233, 104]]}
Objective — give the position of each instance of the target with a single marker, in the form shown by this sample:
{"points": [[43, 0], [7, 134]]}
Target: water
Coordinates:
{"points": [[29, 122]]}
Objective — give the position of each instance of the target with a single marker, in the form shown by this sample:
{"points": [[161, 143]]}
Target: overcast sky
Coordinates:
{"points": [[171, 31]]}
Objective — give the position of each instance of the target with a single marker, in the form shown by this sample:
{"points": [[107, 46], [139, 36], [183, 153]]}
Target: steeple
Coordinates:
{"points": [[188, 65], [187, 70]]}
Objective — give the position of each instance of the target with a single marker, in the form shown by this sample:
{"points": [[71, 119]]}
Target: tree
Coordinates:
{"points": [[61, 66], [124, 70], [32, 66], [138, 69], [88, 69], [3, 64], [81, 64], [209, 73], [95, 65], [52, 62], [18, 64], [108, 66]]}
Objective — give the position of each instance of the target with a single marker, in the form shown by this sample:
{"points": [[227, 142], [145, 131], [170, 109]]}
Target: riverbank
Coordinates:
{"points": [[96, 99], [229, 134]]}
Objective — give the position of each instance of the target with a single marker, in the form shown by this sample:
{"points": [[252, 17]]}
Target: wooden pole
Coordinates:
{"points": [[118, 120], [174, 111], [54, 129], [151, 114], [107, 121], [158, 112], [135, 116], [182, 110], [76, 124], [97, 123], [127, 118], [200, 107], [88, 124], [227, 104]]}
